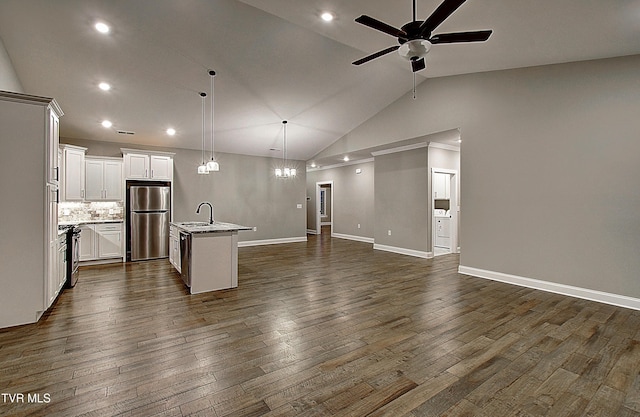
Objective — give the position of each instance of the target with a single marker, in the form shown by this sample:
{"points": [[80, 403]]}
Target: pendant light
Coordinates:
{"points": [[212, 165], [202, 169], [285, 171]]}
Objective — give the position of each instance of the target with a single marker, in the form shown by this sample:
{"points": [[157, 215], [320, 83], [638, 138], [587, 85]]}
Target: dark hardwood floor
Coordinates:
{"points": [[327, 327]]}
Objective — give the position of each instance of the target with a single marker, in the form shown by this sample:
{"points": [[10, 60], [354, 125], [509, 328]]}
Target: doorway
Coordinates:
{"points": [[444, 218], [324, 207]]}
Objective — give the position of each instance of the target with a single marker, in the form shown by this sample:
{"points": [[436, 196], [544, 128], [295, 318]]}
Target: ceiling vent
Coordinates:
{"points": [[125, 132]]}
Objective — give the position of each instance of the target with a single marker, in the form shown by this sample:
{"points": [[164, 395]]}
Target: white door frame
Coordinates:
{"points": [[318, 219], [453, 207]]}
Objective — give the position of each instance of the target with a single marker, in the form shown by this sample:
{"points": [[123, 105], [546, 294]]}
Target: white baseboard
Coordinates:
{"points": [[403, 251], [352, 237], [312, 232], [584, 293], [271, 241]]}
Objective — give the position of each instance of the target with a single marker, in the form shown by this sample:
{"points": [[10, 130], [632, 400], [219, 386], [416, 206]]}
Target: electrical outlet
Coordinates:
{"points": [[389, 232], [358, 225], [299, 206], [255, 228]]}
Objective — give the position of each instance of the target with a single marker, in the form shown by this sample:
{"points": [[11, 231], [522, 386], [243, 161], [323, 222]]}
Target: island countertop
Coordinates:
{"points": [[204, 227]]}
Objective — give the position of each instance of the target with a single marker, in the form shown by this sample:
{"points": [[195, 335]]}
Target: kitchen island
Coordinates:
{"points": [[209, 255]]}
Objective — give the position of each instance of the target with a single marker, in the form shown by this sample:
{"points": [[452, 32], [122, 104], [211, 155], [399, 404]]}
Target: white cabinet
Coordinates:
{"points": [[443, 234], [103, 179], [29, 209], [53, 135], [143, 165], [161, 167], [101, 241], [136, 166], [174, 248], [441, 186], [58, 275], [72, 178], [87, 242], [109, 240]]}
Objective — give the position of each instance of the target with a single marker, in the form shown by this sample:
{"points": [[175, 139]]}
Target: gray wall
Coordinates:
{"points": [[244, 191], [556, 147], [353, 200], [401, 200], [9, 80]]}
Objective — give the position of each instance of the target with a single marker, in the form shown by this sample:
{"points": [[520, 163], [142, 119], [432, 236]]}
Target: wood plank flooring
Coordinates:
{"points": [[326, 327]]}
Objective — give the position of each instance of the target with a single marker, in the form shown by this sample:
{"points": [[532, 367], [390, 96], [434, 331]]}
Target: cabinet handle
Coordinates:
{"points": [[57, 173], [146, 172], [57, 196], [151, 173], [82, 193]]}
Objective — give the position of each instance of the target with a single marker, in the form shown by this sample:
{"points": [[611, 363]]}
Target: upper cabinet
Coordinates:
{"points": [[441, 186], [53, 128], [147, 165], [72, 173], [103, 179]]}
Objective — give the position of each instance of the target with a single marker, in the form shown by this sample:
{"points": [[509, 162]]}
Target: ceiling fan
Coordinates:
{"points": [[415, 38]]}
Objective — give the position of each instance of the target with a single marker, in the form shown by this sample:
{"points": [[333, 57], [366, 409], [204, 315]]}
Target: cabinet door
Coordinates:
{"points": [[109, 243], [161, 167], [441, 185], [137, 166], [93, 178], [73, 178], [87, 243], [113, 180], [53, 172]]}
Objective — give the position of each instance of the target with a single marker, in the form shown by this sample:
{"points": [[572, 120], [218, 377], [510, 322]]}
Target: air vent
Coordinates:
{"points": [[274, 149], [125, 132]]}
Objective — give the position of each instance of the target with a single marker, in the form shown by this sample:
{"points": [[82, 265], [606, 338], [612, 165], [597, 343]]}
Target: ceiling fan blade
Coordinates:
{"points": [[439, 15], [376, 55], [479, 36], [418, 65], [381, 26]]}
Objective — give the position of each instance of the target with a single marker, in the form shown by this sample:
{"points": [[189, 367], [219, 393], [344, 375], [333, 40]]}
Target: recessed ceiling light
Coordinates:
{"points": [[327, 16], [104, 86], [102, 27], [346, 159], [313, 165], [171, 131], [106, 123]]}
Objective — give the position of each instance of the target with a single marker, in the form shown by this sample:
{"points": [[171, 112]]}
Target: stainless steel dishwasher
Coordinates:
{"points": [[185, 258]]}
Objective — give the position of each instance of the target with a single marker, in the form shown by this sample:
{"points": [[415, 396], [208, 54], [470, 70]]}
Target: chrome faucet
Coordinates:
{"points": [[210, 210]]}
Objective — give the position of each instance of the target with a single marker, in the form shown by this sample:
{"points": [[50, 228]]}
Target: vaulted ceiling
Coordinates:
{"points": [[275, 60]]}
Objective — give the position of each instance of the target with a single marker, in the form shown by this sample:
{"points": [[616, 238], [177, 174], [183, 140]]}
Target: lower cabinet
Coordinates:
{"points": [[102, 241], [58, 273], [174, 248]]}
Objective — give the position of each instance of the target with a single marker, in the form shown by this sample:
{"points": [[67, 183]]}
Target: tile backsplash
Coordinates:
{"points": [[93, 211]]}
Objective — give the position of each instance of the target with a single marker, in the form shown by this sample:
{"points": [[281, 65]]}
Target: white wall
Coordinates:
{"points": [[556, 147]]}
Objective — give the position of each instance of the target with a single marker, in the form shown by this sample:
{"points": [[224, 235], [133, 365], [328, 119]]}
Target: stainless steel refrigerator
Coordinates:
{"points": [[149, 215]]}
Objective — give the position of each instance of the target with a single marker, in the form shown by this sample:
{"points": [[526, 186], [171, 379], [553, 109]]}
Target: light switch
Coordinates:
{"points": [[299, 205]]}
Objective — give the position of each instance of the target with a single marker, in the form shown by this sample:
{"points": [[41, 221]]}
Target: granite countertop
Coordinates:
{"points": [[204, 227], [75, 222]]}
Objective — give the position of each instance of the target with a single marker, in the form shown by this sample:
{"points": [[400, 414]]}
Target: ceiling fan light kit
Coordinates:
{"points": [[415, 38]]}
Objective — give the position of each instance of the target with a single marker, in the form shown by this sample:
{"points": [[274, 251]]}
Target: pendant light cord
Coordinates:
{"points": [[203, 95], [284, 143], [212, 74]]}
